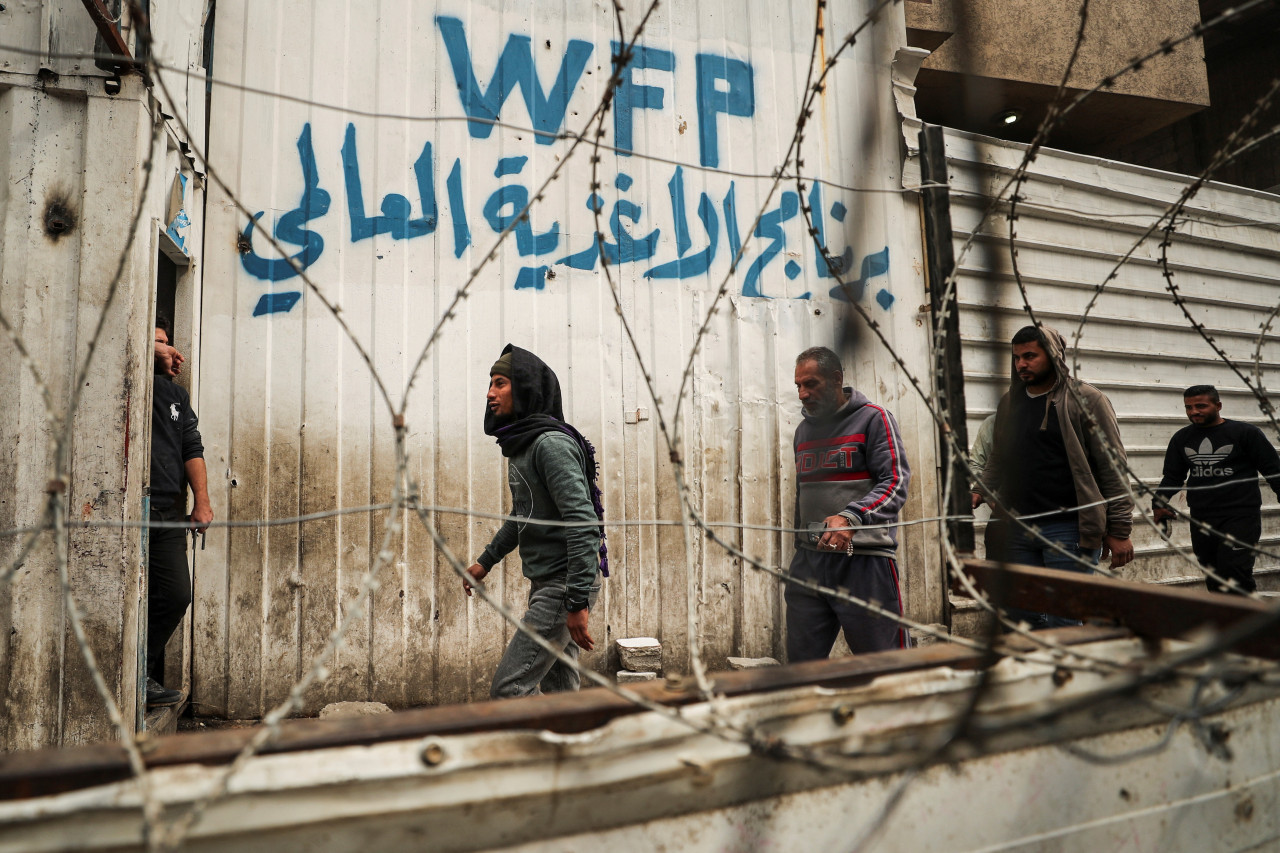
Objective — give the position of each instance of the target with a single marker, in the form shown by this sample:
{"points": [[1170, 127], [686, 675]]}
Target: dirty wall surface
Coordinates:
{"points": [[72, 179], [386, 182]]}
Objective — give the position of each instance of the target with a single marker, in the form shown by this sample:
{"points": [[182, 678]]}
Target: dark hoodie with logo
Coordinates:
{"points": [[1083, 416], [550, 475], [175, 439], [851, 464], [1220, 465]]}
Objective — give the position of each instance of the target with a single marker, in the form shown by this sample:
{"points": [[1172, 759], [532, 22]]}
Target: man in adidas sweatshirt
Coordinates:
{"points": [[1219, 461], [851, 480]]}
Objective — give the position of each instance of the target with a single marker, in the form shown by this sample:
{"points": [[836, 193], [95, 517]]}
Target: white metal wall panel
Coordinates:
{"points": [[54, 291], [1081, 216], [65, 142], [292, 419], [56, 35], [177, 48]]}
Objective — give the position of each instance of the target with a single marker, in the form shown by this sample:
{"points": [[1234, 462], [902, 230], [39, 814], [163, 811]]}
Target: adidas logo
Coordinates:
{"points": [[1204, 459], [1207, 453]]}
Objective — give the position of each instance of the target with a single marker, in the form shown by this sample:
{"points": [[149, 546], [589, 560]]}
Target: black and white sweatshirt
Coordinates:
{"points": [[851, 464], [175, 439], [1220, 466]]}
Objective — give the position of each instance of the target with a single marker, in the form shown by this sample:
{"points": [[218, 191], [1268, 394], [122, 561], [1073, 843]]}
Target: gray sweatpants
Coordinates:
{"points": [[814, 619], [527, 669]]}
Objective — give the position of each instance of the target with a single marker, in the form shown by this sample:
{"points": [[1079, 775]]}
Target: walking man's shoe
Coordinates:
{"points": [[159, 696]]}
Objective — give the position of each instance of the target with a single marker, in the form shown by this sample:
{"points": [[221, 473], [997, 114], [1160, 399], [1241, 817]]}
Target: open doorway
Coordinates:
{"points": [[165, 638]]}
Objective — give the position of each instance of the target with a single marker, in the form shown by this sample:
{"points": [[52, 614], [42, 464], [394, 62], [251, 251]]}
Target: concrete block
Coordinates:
{"points": [[164, 721], [626, 676], [968, 619], [752, 663], [347, 710], [640, 654], [921, 638]]}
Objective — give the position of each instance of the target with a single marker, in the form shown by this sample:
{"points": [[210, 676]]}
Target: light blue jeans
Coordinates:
{"points": [[527, 669], [1027, 549]]}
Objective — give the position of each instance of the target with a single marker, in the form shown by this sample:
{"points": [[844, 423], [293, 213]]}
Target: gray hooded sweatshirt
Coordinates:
{"points": [[851, 464]]}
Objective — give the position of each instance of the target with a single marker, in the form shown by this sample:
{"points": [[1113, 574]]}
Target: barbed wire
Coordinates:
{"points": [[157, 835]]}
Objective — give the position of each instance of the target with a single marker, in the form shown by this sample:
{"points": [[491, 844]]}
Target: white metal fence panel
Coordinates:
{"points": [[1080, 218], [72, 181], [365, 145]]}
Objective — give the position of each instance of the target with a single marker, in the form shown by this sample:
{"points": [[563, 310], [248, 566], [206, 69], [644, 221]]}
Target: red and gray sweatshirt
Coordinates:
{"points": [[851, 464]]}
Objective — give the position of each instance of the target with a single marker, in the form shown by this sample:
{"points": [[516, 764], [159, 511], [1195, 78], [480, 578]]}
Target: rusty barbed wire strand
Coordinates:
{"points": [[151, 808], [282, 521], [1220, 158]]}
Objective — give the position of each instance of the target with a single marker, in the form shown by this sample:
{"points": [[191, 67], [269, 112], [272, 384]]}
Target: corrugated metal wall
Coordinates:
{"points": [[1081, 215], [388, 199], [70, 182]]}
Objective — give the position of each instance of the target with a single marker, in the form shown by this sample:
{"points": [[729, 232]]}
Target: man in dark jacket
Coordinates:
{"points": [[1223, 459], [851, 481], [1055, 454], [177, 461], [552, 474]]}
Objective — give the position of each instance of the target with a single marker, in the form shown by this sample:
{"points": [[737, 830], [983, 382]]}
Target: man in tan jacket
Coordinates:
{"points": [[1058, 465]]}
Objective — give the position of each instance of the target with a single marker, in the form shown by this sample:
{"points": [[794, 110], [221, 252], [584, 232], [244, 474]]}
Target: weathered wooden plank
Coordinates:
{"points": [[36, 773], [1149, 610]]}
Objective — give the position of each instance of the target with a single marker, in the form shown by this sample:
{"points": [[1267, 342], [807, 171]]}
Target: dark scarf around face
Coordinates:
{"points": [[538, 407]]}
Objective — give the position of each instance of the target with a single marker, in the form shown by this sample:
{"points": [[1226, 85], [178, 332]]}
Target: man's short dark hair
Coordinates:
{"points": [[828, 362], [163, 322], [1202, 391], [1029, 335]]}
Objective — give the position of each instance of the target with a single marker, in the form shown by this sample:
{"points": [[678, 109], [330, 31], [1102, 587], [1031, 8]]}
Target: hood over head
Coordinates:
{"points": [[1055, 346], [535, 390]]}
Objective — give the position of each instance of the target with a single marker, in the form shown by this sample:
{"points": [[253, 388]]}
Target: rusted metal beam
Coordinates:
{"points": [[43, 772], [1146, 609], [948, 369], [110, 33]]}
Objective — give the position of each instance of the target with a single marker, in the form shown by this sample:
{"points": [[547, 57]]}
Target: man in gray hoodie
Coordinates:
{"points": [[851, 480], [551, 469], [1057, 461]]}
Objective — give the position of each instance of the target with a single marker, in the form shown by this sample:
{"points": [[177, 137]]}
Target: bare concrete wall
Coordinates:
{"points": [[1031, 41], [63, 214], [990, 57]]}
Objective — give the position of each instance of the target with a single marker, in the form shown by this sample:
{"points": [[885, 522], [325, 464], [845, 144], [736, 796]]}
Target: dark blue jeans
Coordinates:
{"points": [[1027, 549]]}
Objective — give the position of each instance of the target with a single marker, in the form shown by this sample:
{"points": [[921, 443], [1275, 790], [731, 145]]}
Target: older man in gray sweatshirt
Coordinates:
{"points": [[851, 481]]}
